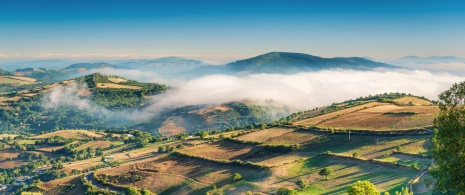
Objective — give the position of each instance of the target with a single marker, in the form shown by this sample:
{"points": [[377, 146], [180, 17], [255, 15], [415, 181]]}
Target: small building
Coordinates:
{"points": [[22, 179], [4, 188]]}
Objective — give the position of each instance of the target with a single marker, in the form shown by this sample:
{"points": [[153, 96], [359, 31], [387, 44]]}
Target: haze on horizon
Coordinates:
{"points": [[220, 32]]}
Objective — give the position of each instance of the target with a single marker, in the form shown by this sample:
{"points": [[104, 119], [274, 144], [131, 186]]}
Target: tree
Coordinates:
{"points": [[132, 191], [236, 177], [203, 135], [326, 172], [355, 154], [448, 141], [302, 183], [286, 191], [362, 188], [146, 192], [404, 191]]}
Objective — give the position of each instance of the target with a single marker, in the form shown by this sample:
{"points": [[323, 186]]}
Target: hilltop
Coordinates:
{"points": [[384, 112]]}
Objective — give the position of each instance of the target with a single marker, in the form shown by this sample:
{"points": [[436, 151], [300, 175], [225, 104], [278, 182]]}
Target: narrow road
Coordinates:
{"points": [[89, 177]]}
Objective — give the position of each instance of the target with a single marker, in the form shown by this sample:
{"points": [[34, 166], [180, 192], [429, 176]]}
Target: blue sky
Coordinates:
{"points": [[224, 30]]}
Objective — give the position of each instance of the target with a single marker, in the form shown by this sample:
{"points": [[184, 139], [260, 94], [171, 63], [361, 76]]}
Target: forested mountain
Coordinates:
{"points": [[289, 63]]}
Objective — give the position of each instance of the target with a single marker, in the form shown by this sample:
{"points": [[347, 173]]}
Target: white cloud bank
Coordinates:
{"points": [[305, 90], [297, 92]]}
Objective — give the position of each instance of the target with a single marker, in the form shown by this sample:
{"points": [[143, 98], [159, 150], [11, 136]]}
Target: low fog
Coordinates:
{"points": [[296, 92]]}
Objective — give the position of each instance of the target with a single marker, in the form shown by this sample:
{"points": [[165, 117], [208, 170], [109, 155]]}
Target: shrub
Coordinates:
{"points": [[362, 187], [302, 183], [236, 177], [286, 191]]}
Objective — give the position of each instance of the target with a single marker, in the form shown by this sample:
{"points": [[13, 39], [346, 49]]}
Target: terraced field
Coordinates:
{"points": [[176, 175]]}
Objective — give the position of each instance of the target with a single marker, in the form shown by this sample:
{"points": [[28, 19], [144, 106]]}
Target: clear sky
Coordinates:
{"points": [[225, 29]]}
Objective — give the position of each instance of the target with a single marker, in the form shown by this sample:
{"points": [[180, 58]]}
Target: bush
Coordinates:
{"points": [[286, 191], [362, 187], [236, 177], [302, 183]]}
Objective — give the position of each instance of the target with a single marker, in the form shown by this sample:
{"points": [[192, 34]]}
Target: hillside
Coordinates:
{"points": [[289, 63], [200, 117], [395, 112], [5, 73]]}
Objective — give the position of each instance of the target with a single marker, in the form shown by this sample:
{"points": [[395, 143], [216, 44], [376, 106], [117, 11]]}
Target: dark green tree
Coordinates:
{"points": [[448, 141], [326, 172], [302, 183]]}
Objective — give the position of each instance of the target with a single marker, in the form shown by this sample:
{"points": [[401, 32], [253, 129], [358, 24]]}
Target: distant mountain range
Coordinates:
{"points": [[50, 63], [176, 67], [449, 64], [163, 65], [415, 60]]}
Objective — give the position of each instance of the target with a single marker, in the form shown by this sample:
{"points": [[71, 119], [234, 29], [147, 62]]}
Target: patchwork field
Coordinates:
{"points": [[7, 135], [295, 137], [116, 80], [16, 80], [95, 144], [408, 160], [5, 163], [60, 186], [413, 101], [345, 172], [220, 150], [261, 136], [67, 134], [377, 119], [116, 86], [417, 113], [176, 175], [367, 147], [322, 118]]}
